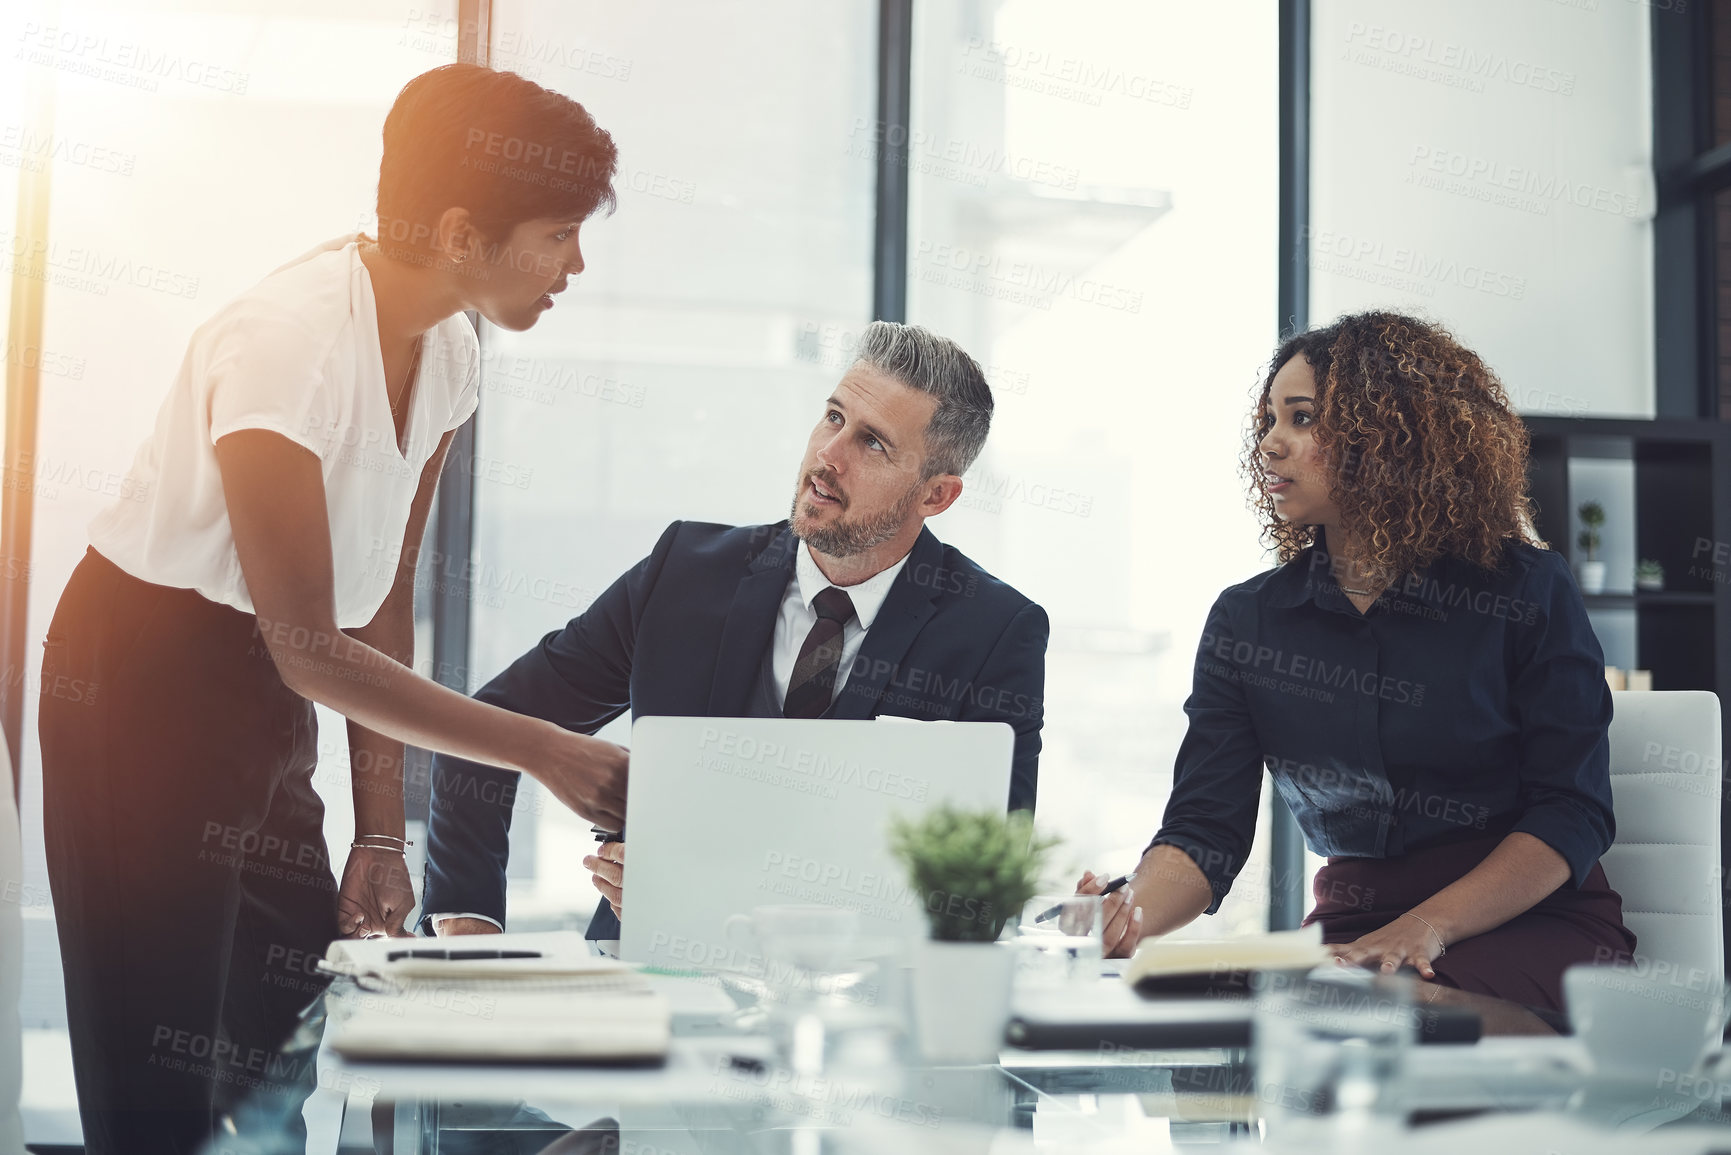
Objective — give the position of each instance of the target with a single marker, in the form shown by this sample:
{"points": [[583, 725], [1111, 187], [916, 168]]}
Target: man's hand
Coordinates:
{"points": [[446, 927], [607, 864], [375, 896], [587, 774], [1120, 917]]}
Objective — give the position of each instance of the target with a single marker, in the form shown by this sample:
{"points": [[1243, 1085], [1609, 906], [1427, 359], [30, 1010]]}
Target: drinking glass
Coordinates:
{"points": [[794, 940], [1064, 927], [1330, 1056]]}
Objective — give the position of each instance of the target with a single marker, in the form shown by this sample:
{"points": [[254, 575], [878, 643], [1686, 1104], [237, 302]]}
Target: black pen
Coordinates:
{"points": [[460, 955], [1055, 911], [607, 835]]}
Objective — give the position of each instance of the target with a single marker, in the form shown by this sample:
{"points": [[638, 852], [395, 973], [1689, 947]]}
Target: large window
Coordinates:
{"points": [[1075, 224], [1093, 209], [680, 375]]}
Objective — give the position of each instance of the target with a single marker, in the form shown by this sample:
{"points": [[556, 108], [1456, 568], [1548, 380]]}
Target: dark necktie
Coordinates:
{"points": [[813, 683]]}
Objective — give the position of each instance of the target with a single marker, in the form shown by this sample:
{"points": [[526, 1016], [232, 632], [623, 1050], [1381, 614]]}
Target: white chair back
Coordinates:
{"points": [[1665, 788]]}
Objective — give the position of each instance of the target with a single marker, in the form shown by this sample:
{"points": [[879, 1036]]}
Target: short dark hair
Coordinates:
{"points": [[919, 358], [503, 147]]}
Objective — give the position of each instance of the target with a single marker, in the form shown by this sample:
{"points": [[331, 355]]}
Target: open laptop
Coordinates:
{"points": [[727, 814]]}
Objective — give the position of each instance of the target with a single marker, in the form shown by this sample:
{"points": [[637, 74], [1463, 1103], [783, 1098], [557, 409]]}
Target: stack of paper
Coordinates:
{"points": [[1162, 958], [492, 998]]}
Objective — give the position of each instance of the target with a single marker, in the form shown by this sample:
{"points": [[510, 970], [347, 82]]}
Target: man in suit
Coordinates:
{"points": [[849, 609]]}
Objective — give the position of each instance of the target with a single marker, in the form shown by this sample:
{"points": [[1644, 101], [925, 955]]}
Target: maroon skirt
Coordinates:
{"points": [[1522, 960]]}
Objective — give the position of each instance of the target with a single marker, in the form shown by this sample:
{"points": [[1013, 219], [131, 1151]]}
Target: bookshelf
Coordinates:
{"points": [[1666, 486], [1675, 508]]}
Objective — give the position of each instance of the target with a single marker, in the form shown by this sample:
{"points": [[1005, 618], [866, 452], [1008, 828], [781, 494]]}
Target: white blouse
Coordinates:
{"points": [[297, 354]]}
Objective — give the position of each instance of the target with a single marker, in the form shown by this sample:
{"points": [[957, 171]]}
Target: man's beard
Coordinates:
{"points": [[846, 538]]}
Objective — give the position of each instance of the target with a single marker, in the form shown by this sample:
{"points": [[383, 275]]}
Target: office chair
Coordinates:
{"points": [[1665, 788]]}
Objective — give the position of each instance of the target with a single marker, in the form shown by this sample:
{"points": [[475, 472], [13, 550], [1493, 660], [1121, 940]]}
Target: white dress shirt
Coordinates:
{"points": [[797, 616], [793, 622]]}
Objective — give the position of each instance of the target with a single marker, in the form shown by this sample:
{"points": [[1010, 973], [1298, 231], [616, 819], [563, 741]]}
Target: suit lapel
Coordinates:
{"points": [[899, 621], [750, 627]]}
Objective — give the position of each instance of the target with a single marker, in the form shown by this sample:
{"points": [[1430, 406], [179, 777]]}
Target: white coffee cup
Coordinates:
{"points": [[1640, 1022]]}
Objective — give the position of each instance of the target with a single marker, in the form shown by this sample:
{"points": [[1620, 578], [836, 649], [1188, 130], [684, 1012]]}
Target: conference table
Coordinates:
{"points": [[1182, 1080]]}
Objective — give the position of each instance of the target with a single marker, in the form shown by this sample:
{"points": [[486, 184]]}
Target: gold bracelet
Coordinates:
{"points": [[1441, 947]]}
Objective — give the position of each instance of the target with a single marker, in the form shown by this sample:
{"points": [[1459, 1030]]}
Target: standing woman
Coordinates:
{"points": [[1419, 678], [262, 559]]}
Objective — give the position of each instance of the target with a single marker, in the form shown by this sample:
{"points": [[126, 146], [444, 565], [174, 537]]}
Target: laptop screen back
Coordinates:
{"points": [[727, 814]]}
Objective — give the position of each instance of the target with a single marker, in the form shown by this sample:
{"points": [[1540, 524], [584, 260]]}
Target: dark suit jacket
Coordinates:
{"points": [[684, 633]]}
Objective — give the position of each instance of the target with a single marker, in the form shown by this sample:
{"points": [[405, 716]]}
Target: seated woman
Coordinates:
{"points": [[1419, 677]]}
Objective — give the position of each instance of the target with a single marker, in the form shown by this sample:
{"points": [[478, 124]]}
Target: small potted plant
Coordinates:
{"points": [[972, 871], [1590, 572], [1649, 575]]}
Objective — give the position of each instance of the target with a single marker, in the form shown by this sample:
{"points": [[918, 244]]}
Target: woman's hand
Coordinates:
{"points": [[586, 774], [375, 895], [607, 865], [1120, 917], [277, 510], [1406, 941]]}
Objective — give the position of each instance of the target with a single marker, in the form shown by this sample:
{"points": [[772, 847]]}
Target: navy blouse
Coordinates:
{"points": [[1461, 701]]}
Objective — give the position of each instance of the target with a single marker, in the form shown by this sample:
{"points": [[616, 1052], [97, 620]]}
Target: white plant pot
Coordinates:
{"points": [[962, 1000], [1591, 575]]}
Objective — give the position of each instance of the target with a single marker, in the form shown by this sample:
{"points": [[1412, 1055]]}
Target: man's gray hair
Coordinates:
{"points": [[921, 359]]}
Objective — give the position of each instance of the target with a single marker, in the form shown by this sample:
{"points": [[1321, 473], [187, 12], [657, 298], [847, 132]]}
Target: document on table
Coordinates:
{"points": [[545, 1000], [548, 954], [1160, 958]]}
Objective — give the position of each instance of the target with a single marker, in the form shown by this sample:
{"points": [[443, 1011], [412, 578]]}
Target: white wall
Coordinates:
{"points": [[1487, 163]]}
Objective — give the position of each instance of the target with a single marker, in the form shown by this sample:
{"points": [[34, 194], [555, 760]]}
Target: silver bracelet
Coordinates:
{"points": [[359, 842], [1441, 947]]}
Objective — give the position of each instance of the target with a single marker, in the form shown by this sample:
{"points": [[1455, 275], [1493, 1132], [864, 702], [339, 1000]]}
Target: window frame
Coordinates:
{"points": [[1687, 173]]}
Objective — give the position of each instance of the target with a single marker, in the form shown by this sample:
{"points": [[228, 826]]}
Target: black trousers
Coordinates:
{"points": [[186, 854]]}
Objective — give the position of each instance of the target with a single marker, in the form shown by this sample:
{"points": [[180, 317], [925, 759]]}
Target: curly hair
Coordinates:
{"points": [[1428, 458]]}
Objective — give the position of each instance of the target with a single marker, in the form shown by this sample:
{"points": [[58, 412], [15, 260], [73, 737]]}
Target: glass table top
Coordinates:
{"points": [[745, 1075]]}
